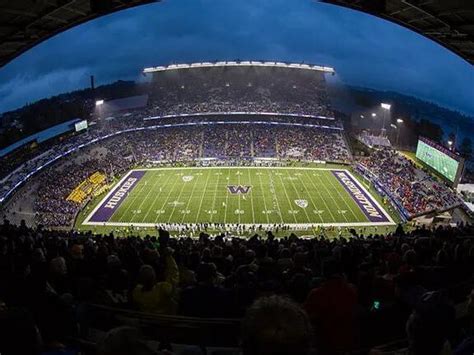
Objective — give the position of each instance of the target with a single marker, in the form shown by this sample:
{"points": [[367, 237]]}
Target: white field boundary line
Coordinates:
{"points": [[247, 225], [87, 220], [296, 225], [371, 197], [237, 167]]}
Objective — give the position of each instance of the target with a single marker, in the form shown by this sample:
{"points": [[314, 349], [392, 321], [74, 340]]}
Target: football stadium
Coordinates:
{"points": [[241, 206]]}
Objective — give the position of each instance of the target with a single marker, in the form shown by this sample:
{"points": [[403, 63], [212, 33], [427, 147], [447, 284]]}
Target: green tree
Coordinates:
{"points": [[466, 148]]}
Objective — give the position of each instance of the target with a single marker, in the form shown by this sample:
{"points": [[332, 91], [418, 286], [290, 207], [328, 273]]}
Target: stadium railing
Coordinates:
{"points": [[205, 333], [166, 329]]}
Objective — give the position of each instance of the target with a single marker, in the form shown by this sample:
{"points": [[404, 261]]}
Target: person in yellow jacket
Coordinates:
{"points": [[157, 297]]}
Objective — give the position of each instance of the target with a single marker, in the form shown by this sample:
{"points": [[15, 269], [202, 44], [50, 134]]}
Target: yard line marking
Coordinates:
{"points": [[151, 207], [263, 195], [289, 201], [215, 195], [275, 201], [202, 198], [322, 198], [171, 189], [157, 196], [145, 198], [296, 190], [336, 188], [176, 205], [311, 198], [251, 197], [239, 195], [344, 200], [191, 196], [226, 198]]}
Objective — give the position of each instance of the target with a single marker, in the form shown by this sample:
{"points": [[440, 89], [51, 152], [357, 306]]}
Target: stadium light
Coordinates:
{"points": [[399, 120], [362, 116], [393, 126], [386, 107], [450, 143], [99, 102], [374, 114]]}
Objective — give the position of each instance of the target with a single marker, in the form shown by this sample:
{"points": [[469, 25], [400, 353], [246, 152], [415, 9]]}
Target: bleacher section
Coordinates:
{"points": [[87, 188]]}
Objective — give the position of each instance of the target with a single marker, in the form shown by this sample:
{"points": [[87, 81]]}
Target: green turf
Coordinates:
{"points": [[166, 196]]}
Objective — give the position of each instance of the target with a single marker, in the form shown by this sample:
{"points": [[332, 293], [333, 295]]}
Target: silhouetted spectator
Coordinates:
{"points": [[276, 325]]}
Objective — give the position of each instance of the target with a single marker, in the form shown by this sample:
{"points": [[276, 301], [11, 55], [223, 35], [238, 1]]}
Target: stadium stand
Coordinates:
{"points": [[225, 294], [374, 141], [131, 140], [239, 89], [415, 190], [339, 296], [172, 145]]}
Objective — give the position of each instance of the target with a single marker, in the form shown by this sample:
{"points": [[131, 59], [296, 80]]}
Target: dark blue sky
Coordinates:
{"points": [[364, 50]]}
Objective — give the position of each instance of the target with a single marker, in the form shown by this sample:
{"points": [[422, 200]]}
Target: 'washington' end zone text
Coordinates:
{"points": [[363, 200], [111, 203]]}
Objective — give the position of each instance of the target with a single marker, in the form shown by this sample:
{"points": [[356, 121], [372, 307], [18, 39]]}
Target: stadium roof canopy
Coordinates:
{"points": [[26, 23], [245, 63], [448, 22]]}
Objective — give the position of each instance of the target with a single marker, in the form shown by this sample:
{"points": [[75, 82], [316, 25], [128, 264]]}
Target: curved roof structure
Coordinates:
{"points": [[26, 23], [447, 22], [245, 63]]}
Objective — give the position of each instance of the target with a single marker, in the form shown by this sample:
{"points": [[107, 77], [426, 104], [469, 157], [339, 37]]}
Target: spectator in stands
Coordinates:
{"points": [[466, 347], [429, 326], [58, 280], [124, 341], [276, 325], [331, 308], [152, 296], [206, 299], [115, 291], [18, 332], [247, 268]]}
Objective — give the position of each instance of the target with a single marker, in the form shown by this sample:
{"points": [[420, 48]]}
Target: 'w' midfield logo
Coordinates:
{"points": [[238, 189]]}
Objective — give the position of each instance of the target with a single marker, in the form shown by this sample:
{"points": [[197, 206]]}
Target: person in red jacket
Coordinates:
{"points": [[331, 309]]}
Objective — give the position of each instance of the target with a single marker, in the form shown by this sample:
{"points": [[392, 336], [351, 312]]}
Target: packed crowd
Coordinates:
{"points": [[19, 166], [414, 189], [353, 292], [240, 89], [417, 191], [176, 144], [51, 207]]}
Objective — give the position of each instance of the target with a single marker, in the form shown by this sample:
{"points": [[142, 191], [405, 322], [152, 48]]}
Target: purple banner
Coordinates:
{"points": [[365, 202], [115, 199]]}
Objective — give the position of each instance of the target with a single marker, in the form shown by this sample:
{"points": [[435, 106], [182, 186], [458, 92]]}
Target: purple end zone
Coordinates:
{"points": [[115, 199], [363, 200]]}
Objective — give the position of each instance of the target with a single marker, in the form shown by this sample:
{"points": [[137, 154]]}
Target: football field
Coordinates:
{"points": [[297, 196]]}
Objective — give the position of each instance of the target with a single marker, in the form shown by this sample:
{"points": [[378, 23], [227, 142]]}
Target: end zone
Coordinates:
{"points": [[110, 203]]}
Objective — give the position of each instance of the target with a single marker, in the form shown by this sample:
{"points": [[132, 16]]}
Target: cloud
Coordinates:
{"points": [[365, 50], [25, 89]]}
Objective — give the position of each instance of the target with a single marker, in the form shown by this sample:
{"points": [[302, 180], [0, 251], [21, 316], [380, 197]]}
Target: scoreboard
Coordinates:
{"points": [[442, 160]]}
